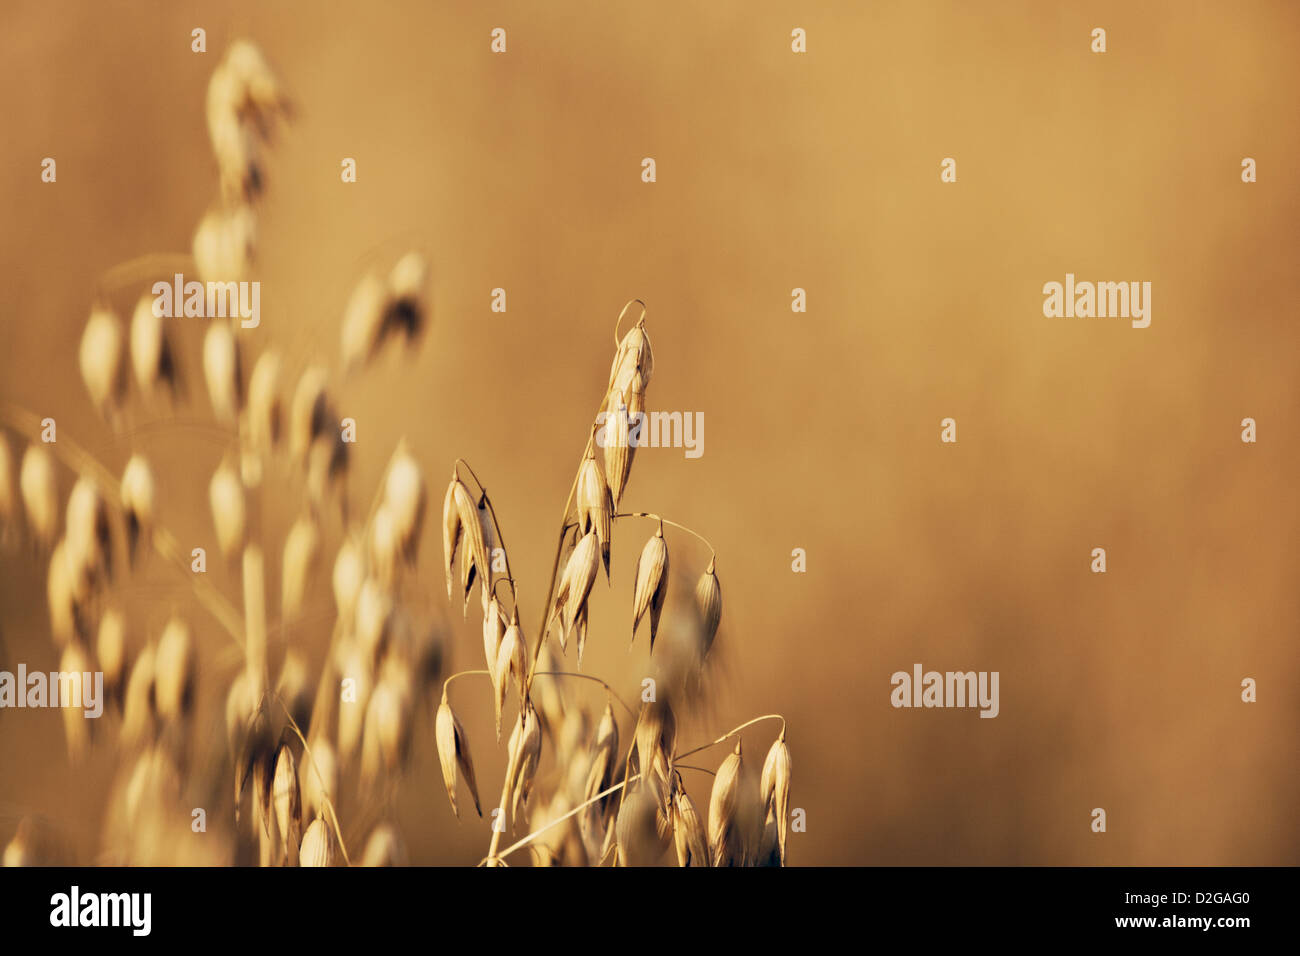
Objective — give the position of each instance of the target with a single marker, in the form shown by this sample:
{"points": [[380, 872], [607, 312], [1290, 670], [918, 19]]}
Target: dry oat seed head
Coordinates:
{"points": [[40, 494], [454, 755], [618, 451], [493, 632], [688, 831], [451, 528], [405, 498], [723, 804], [319, 846], [86, 536], [708, 599], [349, 572], [226, 495], [223, 371], [595, 506], [319, 778], [103, 359], [138, 501], [651, 583], [286, 797], [575, 584], [774, 786], [175, 671]]}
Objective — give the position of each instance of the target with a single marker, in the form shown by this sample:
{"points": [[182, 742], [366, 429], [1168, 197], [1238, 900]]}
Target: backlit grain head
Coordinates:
{"points": [[651, 583], [40, 494], [724, 843], [138, 497], [454, 755], [102, 358]]}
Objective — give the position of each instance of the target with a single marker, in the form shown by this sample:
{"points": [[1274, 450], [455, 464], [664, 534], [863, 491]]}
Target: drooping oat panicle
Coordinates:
{"points": [[774, 786], [137, 502], [40, 494], [103, 360], [454, 755], [319, 845], [688, 830], [656, 738], [226, 496], [708, 601], [301, 546], [594, 505], [723, 803], [651, 583], [223, 371]]}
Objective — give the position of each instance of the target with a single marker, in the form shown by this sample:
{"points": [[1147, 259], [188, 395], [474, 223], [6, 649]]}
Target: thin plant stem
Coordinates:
{"points": [[663, 520], [589, 677]]}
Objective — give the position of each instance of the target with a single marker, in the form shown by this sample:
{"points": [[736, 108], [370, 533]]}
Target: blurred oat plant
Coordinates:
{"points": [[287, 746]]}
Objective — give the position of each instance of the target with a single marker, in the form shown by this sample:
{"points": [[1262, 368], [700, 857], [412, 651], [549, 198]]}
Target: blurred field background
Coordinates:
{"points": [[818, 171]]}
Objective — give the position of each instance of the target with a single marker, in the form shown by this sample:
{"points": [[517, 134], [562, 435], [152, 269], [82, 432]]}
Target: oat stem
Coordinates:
{"points": [[589, 677], [731, 733], [662, 521]]}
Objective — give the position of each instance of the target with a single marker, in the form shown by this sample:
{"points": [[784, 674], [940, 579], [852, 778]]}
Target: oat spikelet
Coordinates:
{"points": [[617, 439], [688, 830], [319, 778], [651, 583], [86, 537], [176, 671], [103, 360], [509, 660], [525, 751], [708, 600], [723, 804], [286, 798], [223, 372], [226, 496], [594, 505], [404, 498], [474, 562], [319, 845], [110, 650], [451, 528], [138, 502], [575, 584], [40, 494], [454, 755], [774, 786], [152, 356], [349, 572]]}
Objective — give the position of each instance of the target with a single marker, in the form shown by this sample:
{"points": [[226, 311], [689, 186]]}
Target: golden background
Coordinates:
{"points": [[775, 170]]}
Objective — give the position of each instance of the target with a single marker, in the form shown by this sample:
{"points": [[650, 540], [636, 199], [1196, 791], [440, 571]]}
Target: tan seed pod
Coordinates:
{"points": [[110, 649], [60, 592], [600, 774], [404, 497], [575, 584], [509, 660], [138, 501], [723, 804], [373, 620], [708, 600], [475, 559], [617, 441], [308, 413], [641, 827], [175, 671], [634, 356], [87, 536], [385, 546], [226, 496], [363, 321], [595, 507], [525, 752], [319, 845], [40, 494], [493, 631], [454, 755], [319, 778], [103, 359], [688, 831], [286, 798], [223, 372], [451, 528], [349, 572], [774, 786], [152, 357], [138, 710], [264, 408], [384, 848], [651, 583], [75, 663], [301, 546]]}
